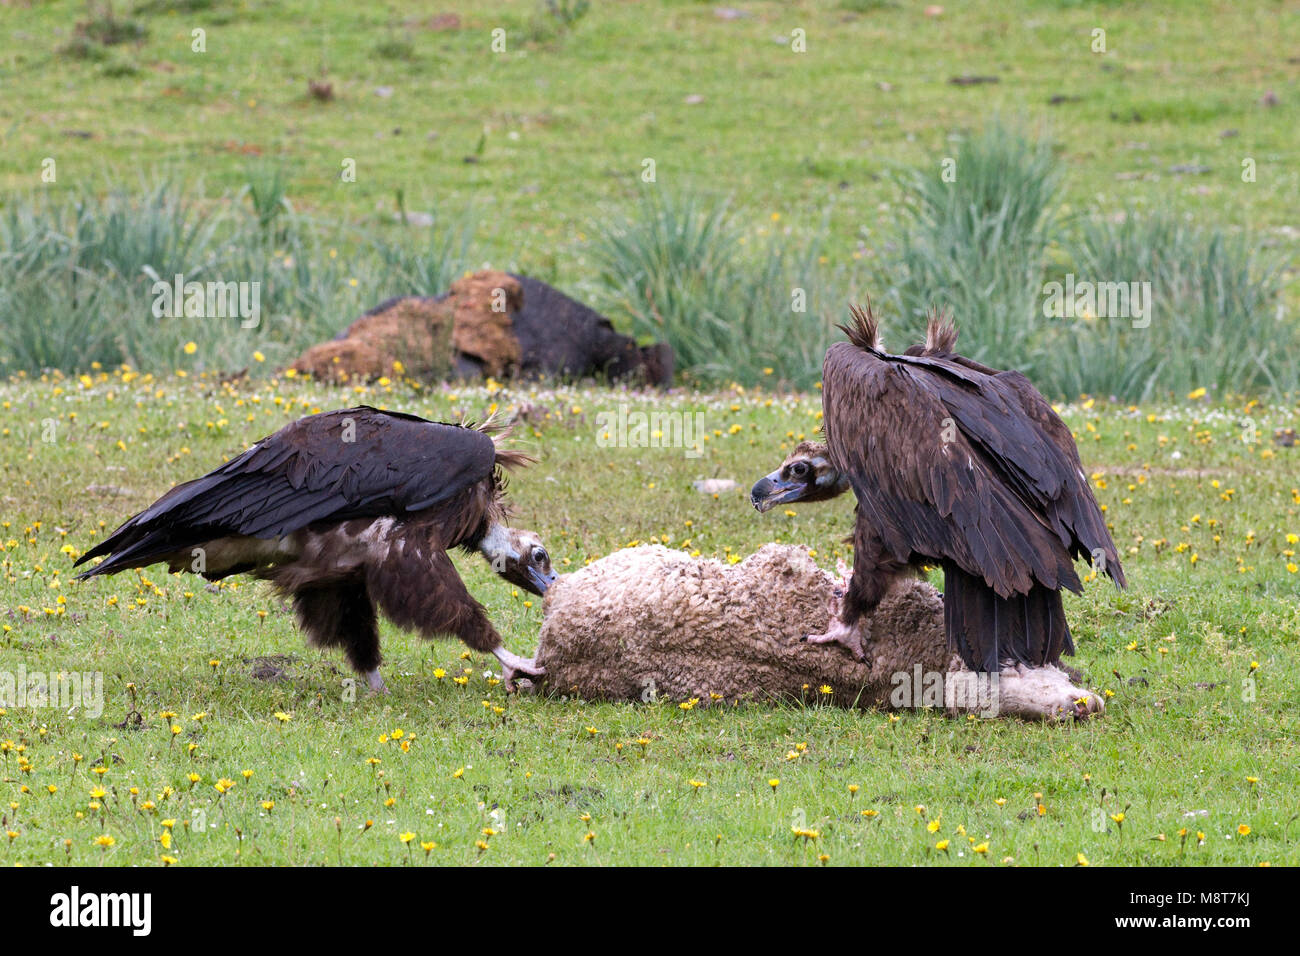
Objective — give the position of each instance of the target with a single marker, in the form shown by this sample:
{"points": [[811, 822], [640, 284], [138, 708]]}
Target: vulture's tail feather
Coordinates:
{"points": [[988, 630], [137, 548]]}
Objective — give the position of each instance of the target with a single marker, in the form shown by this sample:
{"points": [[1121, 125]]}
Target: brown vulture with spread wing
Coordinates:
{"points": [[344, 511], [958, 465]]}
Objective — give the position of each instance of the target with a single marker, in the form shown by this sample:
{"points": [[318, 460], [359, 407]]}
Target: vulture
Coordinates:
{"points": [[954, 465], [346, 511]]}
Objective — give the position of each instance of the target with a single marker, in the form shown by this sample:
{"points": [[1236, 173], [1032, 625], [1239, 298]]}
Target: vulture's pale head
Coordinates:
{"points": [[806, 475], [519, 557]]}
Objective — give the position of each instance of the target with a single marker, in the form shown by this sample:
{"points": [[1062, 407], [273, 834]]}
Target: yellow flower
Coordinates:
{"points": [[981, 848], [1080, 859], [104, 840], [406, 837], [191, 348], [942, 845], [1243, 830]]}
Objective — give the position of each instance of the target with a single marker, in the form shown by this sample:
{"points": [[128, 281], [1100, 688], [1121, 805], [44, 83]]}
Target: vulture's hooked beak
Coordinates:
{"points": [[540, 581], [771, 490]]}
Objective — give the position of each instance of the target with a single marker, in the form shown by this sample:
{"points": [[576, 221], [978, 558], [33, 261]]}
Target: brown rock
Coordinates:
{"points": [[483, 329], [488, 324], [341, 360], [412, 331]]}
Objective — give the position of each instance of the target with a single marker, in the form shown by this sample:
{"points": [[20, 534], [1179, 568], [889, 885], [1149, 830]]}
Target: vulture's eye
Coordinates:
{"points": [[539, 555], [799, 469]]}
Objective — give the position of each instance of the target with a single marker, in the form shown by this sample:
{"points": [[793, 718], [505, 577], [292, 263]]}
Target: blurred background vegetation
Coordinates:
{"points": [[787, 184]]}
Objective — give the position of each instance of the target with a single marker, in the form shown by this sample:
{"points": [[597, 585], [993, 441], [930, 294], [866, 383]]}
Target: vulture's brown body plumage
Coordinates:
{"points": [[347, 511], [962, 466]]}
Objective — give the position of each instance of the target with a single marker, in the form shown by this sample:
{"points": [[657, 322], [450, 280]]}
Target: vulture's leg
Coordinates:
{"points": [[342, 615], [873, 571], [514, 666], [442, 605]]}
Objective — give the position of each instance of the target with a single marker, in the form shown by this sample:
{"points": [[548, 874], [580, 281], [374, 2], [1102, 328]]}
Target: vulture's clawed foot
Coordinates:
{"points": [[514, 667], [375, 682], [845, 635]]}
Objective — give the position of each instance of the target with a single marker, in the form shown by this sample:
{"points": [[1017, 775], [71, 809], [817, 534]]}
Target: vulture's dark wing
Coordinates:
{"points": [[946, 463], [353, 463], [1016, 426], [1075, 509]]}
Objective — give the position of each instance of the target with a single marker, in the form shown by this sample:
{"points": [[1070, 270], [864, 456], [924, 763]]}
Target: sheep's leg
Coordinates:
{"points": [[1036, 693]]}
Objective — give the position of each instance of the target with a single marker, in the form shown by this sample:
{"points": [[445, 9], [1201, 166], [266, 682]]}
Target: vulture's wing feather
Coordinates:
{"points": [[1031, 445], [354, 463], [920, 444], [1075, 510]]}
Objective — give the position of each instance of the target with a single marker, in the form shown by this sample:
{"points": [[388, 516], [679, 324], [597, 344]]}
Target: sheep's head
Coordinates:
{"points": [[807, 475]]}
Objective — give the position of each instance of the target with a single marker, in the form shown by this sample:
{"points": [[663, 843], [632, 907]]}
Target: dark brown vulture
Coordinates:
{"points": [[344, 511], [957, 465]]}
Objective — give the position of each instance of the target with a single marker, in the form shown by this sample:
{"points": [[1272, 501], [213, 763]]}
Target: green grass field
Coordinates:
{"points": [[224, 740], [558, 125], [1198, 658]]}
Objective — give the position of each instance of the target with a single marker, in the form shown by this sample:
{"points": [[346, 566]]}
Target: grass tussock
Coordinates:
{"points": [[981, 235], [681, 269], [78, 276], [973, 240]]}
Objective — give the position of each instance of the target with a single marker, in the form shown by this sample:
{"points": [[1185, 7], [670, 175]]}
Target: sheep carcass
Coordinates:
{"points": [[649, 621]]}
